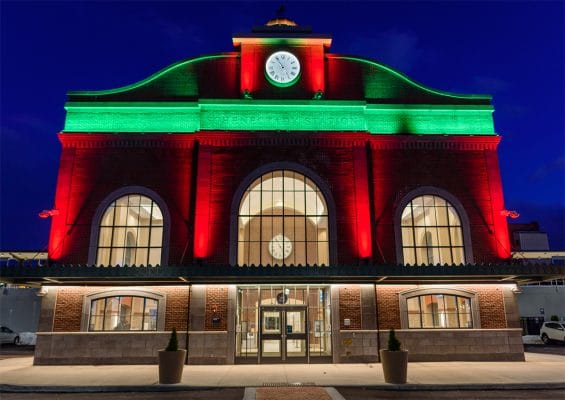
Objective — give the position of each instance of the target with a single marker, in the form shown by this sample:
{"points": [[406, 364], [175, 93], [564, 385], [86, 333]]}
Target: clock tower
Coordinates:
{"points": [[282, 60]]}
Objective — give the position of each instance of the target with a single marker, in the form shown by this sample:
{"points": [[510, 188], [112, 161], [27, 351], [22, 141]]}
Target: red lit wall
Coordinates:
{"points": [[460, 165], [202, 204], [252, 67], [366, 174], [93, 166], [237, 155]]}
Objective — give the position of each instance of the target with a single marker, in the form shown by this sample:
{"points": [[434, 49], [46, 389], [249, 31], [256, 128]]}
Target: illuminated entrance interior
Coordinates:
{"points": [[282, 323]]}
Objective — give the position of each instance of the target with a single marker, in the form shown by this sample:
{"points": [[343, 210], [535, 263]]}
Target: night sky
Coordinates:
{"points": [[513, 51]]}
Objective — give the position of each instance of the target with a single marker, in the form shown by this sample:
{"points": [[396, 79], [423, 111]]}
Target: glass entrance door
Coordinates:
{"points": [[283, 334]]}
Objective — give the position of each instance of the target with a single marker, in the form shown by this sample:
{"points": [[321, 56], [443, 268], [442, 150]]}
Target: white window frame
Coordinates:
{"points": [[87, 304], [472, 296], [115, 195], [276, 166], [432, 191]]}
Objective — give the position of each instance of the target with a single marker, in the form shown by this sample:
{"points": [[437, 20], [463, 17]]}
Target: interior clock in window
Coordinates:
{"points": [[280, 247], [282, 69]]}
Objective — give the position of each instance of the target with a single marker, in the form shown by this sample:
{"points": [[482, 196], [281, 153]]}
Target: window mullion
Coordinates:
{"points": [[415, 243], [104, 314], [260, 220], [420, 311], [113, 232], [143, 313], [148, 256], [305, 222], [283, 214]]}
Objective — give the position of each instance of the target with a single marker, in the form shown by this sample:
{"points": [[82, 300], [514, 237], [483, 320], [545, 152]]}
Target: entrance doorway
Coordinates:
{"points": [[283, 334], [283, 323]]}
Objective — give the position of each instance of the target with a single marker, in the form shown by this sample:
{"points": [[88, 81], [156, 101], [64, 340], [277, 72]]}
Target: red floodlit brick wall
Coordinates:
{"points": [[318, 152], [216, 307], [312, 78], [491, 307], [457, 165], [93, 166], [68, 306], [350, 307]]}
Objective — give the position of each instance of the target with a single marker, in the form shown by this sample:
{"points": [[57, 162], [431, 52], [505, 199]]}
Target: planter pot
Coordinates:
{"points": [[171, 364], [395, 365]]}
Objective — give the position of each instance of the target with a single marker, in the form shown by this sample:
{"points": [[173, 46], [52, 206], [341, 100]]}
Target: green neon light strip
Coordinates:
{"points": [[414, 83], [151, 78], [277, 115]]}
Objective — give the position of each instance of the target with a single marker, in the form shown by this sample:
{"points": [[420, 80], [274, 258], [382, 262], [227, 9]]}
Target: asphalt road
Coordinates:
{"points": [[553, 348], [11, 350]]}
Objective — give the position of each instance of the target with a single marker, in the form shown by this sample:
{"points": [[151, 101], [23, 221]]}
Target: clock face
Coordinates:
{"points": [[282, 69], [280, 247]]}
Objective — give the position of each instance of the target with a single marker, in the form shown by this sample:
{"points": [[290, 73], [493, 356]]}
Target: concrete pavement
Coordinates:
{"points": [[538, 370]]}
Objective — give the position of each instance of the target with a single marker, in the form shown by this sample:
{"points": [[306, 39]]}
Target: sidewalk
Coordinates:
{"points": [[538, 370]]}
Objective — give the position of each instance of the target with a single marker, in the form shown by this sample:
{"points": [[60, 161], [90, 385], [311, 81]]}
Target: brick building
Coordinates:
{"points": [[279, 203]]}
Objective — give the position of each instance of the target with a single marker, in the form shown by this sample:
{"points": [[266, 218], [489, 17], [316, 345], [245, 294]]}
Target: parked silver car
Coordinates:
{"points": [[8, 336], [551, 331]]}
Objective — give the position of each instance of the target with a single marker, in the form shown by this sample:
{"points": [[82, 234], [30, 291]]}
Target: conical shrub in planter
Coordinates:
{"points": [[171, 361], [394, 360]]}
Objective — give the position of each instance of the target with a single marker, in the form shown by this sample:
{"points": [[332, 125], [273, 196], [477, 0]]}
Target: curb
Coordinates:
{"points": [[465, 387], [5, 388]]}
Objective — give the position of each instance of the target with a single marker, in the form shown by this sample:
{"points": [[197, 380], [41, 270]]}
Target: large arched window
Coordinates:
{"points": [[130, 232], [283, 220], [432, 232]]}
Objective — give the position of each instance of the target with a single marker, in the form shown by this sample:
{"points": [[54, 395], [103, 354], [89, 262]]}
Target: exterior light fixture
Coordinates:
{"points": [[510, 213], [319, 95], [48, 213]]}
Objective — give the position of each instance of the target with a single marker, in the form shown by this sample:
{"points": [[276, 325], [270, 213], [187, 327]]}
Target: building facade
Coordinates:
{"points": [[279, 203]]}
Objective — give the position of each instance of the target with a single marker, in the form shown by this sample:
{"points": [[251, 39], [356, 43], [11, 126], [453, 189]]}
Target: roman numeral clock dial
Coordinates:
{"points": [[282, 69]]}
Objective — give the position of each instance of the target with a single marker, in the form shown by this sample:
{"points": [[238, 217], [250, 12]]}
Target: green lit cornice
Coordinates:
{"points": [[174, 71], [277, 115], [382, 82]]}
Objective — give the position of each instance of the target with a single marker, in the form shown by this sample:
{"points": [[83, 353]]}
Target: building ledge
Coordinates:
{"points": [[226, 274]]}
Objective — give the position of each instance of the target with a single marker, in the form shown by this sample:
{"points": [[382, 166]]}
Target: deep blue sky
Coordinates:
{"points": [[511, 50]]}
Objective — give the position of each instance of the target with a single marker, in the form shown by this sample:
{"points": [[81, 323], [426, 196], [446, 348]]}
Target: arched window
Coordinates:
{"points": [[439, 310], [283, 220], [131, 232], [123, 313], [432, 232]]}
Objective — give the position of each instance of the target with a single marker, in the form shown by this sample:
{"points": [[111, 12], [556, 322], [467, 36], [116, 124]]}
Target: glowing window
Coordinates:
{"points": [[439, 311], [131, 232], [283, 220], [431, 232], [123, 313]]}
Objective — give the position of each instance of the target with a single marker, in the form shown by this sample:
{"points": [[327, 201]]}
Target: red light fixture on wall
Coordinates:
{"points": [[510, 213], [48, 213]]}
